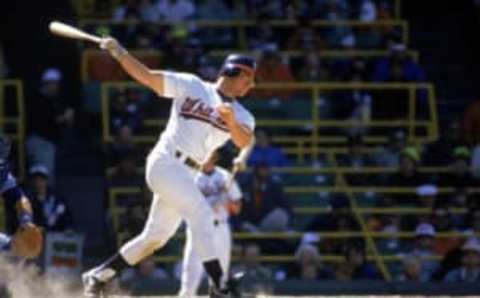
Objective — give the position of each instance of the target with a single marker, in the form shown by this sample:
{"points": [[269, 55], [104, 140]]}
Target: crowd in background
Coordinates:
{"points": [[186, 48]]}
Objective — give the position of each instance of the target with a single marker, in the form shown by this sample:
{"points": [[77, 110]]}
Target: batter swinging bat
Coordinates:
{"points": [[64, 30]]}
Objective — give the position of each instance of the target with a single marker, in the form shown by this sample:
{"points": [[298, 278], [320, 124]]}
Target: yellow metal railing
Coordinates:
{"points": [[87, 54], [87, 8], [326, 54], [309, 144], [241, 26], [371, 246], [17, 121], [369, 236]]}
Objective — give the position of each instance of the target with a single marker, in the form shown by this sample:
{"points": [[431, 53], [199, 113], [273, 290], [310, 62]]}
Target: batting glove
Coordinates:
{"points": [[113, 47]]}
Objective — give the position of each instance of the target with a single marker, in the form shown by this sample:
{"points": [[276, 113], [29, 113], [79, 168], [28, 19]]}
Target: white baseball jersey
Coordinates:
{"points": [[194, 126], [213, 186]]}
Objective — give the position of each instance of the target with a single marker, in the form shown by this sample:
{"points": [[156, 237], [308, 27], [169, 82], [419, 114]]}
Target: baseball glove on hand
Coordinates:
{"points": [[27, 242]]}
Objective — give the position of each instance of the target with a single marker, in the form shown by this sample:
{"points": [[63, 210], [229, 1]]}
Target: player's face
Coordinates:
{"points": [[243, 83]]}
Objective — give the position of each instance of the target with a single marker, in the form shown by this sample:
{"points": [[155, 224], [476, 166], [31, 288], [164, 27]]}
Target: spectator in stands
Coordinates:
{"points": [[451, 260], [355, 258], [335, 10], [470, 269], [439, 152], [390, 245], [308, 265], [271, 69], [142, 9], [134, 219], [50, 210], [176, 10], [125, 110], [426, 194], [213, 10], [459, 175], [389, 157], [125, 172], [367, 11], [398, 67], [48, 115], [263, 38], [265, 153], [264, 9], [412, 270], [408, 174], [264, 208], [123, 142], [313, 69], [423, 249], [357, 156], [145, 275], [305, 37], [257, 278]]}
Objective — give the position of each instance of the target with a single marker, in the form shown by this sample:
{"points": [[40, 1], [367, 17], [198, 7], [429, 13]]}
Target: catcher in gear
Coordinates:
{"points": [[27, 241]]}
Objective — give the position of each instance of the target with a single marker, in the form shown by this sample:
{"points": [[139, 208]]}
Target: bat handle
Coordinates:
{"points": [[95, 39]]}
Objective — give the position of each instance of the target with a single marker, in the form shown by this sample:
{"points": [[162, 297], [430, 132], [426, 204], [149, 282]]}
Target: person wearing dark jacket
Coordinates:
{"points": [[48, 115], [265, 207], [50, 210]]}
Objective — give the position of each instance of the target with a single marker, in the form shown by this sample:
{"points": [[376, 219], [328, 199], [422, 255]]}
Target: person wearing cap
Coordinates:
{"points": [[470, 269], [460, 175], [397, 66], [51, 211], [308, 265], [48, 115], [406, 176], [423, 249], [203, 117]]}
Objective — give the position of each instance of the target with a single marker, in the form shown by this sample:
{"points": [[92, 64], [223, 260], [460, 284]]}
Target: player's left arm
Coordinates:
{"points": [[241, 135]]}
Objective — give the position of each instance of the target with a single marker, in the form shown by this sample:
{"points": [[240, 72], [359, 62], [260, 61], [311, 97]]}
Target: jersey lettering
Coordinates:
{"points": [[193, 108]]}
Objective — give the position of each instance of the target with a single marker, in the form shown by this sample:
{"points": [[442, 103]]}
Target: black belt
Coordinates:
{"points": [[190, 162]]}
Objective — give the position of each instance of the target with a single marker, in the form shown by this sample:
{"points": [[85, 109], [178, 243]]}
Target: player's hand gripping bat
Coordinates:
{"points": [[64, 30]]}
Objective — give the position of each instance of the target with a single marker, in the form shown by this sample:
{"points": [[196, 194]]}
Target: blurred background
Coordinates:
{"points": [[368, 130]]}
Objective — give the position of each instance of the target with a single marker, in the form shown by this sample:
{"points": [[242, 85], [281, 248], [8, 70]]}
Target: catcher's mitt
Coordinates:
{"points": [[27, 242]]}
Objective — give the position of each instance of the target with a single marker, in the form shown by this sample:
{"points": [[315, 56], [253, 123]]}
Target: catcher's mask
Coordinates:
{"points": [[235, 63]]}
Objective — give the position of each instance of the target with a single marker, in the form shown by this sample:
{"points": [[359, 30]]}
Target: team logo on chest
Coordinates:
{"points": [[194, 108]]}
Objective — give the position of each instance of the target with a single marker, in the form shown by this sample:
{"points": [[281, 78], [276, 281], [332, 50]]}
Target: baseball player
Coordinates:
{"points": [[27, 241], [203, 117], [223, 195]]}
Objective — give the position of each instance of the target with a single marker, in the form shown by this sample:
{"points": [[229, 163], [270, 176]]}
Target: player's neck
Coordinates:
{"points": [[223, 90]]}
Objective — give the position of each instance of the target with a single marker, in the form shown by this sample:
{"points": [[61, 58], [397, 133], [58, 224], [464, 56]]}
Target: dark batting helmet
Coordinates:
{"points": [[234, 63]]}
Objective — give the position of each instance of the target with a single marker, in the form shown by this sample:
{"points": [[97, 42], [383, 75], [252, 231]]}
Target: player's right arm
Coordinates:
{"points": [[137, 70]]}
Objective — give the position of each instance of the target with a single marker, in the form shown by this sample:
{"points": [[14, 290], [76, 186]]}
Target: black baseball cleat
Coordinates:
{"points": [[232, 289], [92, 287]]}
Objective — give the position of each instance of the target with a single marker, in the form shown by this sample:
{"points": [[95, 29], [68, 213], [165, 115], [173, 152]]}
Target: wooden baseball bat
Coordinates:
{"points": [[64, 30]]}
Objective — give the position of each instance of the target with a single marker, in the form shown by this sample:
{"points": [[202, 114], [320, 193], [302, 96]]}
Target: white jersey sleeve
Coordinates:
{"points": [[177, 85], [234, 193]]}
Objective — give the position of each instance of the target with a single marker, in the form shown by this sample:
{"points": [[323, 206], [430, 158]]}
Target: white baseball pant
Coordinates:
{"points": [[192, 269], [176, 198]]}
